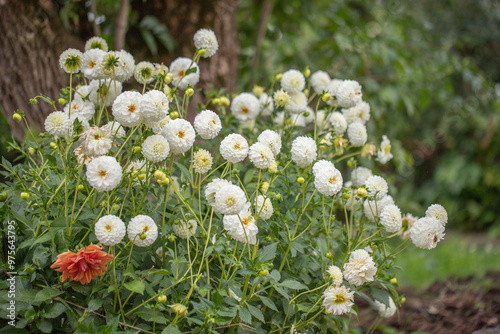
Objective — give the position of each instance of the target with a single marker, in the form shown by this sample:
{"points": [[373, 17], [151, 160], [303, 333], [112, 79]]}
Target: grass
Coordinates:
{"points": [[459, 255]]}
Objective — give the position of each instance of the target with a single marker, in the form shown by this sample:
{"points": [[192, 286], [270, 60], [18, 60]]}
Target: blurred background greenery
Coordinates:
{"points": [[429, 70]]}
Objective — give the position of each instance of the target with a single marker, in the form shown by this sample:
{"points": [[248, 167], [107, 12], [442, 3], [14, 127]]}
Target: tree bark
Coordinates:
{"points": [[33, 38]]}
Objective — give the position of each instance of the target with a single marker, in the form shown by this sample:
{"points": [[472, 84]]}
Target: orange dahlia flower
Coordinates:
{"points": [[83, 266]]}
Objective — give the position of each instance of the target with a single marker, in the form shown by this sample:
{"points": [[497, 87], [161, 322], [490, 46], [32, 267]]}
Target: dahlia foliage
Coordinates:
{"points": [[253, 212]]}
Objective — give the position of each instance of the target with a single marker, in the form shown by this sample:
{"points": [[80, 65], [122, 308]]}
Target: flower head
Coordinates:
{"points": [[242, 227], [321, 165], [264, 207], [272, 139], [391, 218], [154, 105], [339, 123], [384, 311], [143, 72], [155, 148], [261, 155], [328, 181], [338, 300], [304, 151], [103, 92], [207, 124], [58, 124], [297, 103], [104, 173], [335, 275], [83, 110], [319, 81], [127, 109], [356, 132], [372, 209], [439, 212], [96, 43], [245, 106], [206, 39], [96, 141], [266, 104], [359, 113], [185, 230], [179, 67], [229, 200], [234, 148], [427, 232], [360, 268], [180, 135], [83, 266], [293, 81], [384, 154], [281, 98], [212, 188], [202, 161], [91, 64], [359, 176], [71, 60], [377, 187], [142, 230], [348, 93], [109, 230]]}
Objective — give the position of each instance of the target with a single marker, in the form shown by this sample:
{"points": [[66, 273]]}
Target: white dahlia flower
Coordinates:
{"points": [[71, 60], [304, 151], [234, 148], [157, 126], [102, 92], [439, 212], [427, 232], [372, 209], [229, 200], [377, 187], [359, 113], [58, 124], [266, 104], [335, 275], [321, 165], [96, 43], [180, 135], [386, 312], [338, 300], [348, 93], [408, 221], [143, 72], [212, 188], [207, 124], [328, 181], [127, 109], [339, 123], [83, 110], [245, 106], [185, 230], [281, 98], [126, 66], [91, 64], [155, 148], [264, 207], [109, 230], [104, 173], [206, 39], [390, 218], [261, 155], [96, 141], [242, 227], [83, 93], [202, 161], [356, 132], [154, 105], [384, 154], [359, 176], [360, 268], [332, 89], [179, 67], [297, 103], [142, 230], [272, 139], [293, 81], [319, 81]]}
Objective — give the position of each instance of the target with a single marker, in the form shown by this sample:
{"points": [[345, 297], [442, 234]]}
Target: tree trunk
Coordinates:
{"points": [[33, 38]]}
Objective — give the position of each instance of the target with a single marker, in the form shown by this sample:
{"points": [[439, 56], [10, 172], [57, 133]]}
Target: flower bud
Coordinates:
{"points": [[306, 92], [137, 149], [174, 115], [179, 309], [80, 187], [143, 236], [402, 300], [300, 180], [326, 97], [159, 175], [264, 187], [216, 101], [224, 101], [346, 196], [162, 299], [264, 273], [53, 146], [307, 72], [17, 117], [269, 239], [25, 196], [273, 168], [329, 255], [279, 76], [171, 237], [61, 101], [33, 101], [65, 91], [393, 280], [277, 196], [257, 90], [116, 207], [3, 196], [361, 192], [141, 176], [202, 52], [350, 163], [31, 150], [104, 203], [189, 92], [169, 77]]}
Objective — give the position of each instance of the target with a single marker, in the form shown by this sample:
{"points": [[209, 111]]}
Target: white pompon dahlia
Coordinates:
{"points": [[71, 60], [281, 98], [356, 132], [304, 151], [372, 209], [272, 139], [390, 218], [338, 300], [157, 126], [234, 148], [180, 135], [185, 230], [143, 72], [297, 103], [264, 207], [109, 230], [377, 187], [384, 154], [328, 181], [104, 173], [96, 43], [439, 212], [242, 227], [266, 104], [212, 188], [319, 81], [427, 232], [96, 141], [386, 312], [261, 155], [339, 123], [155, 148], [229, 200], [142, 230], [321, 165], [207, 124], [202, 161], [102, 92], [360, 268], [245, 106], [91, 64], [126, 66], [335, 275], [154, 105], [293, 81], [58, 124], [359, 176], [348, 93], [179, 67], [82, 93], [206, 39], [127, 109], [359, 113]]}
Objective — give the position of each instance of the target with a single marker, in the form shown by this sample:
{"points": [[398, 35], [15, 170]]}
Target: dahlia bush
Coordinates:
{"points": [[257, 217]]}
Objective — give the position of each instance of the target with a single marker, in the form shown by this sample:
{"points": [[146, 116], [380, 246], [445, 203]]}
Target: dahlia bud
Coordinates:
{"points": [[279, 76], [216, 101], [172, 237], [224, 101], [346, 196], [179, 309], [402, 300], [17, 117], [306, 92], [361, 192], [264, 273], [257, 90], [174, 115], [202, 52], [326, 97], [80, 187], [25, 196], [393, 280], [143, 236], [137, 149], [159, 175], [31, 150], [273, 168], [61, 101], [116, 207], [300, 180], [264, 187], [162, 298], [53, 146], [189, 92], [3, 196], [307, 72], [169, 77], [329, 255]]}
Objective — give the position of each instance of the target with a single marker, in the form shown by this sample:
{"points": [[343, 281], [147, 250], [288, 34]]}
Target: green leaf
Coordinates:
{"points": [[44, 326], [159, 319], [136, 286], [269, 303], [268, 253], [275, 275], [171, 330], [46, 294], [256, 312], [245, 315], [292, 284], [94, 305], [381, 296], [161, 272], [54, 310]]}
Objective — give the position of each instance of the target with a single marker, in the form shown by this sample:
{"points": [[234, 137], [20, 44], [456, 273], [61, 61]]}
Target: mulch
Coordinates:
{"points": [[450, 307]]}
